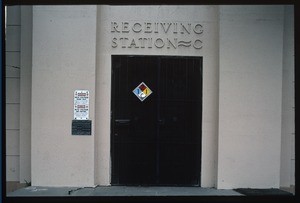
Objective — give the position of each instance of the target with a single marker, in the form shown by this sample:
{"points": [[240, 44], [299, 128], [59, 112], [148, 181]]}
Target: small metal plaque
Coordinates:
{"points": [[81, 127]]}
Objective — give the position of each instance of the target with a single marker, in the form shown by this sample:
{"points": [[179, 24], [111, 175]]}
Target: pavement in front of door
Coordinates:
{"points": [[129, 191], [120, 191]]}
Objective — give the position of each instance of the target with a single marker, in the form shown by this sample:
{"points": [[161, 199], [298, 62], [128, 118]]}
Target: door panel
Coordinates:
{"points": [[156, 141], [133, 122], [179, 143]]}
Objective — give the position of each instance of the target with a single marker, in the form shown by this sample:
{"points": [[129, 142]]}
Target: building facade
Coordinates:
{"points": [[150, 95]]}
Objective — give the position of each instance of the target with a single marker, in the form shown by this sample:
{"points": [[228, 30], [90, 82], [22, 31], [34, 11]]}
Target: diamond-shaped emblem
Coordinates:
{"points": [[142, 91]]}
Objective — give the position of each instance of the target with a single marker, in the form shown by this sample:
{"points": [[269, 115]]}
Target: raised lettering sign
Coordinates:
{"points": [[169, 35]]}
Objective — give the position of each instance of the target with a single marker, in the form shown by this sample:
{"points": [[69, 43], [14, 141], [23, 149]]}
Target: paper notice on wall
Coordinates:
{"points": [[81, 104]]}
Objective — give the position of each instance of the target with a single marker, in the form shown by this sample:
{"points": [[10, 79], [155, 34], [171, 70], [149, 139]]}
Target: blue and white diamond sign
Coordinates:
{"points": [[142, 91]]}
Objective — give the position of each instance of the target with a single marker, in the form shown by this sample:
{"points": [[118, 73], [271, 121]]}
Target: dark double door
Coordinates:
{"points": [[156, 141]]}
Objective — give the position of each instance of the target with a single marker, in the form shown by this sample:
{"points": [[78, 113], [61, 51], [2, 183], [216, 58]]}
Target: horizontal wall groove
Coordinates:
{"points": [[17, 67], [12, 77]]}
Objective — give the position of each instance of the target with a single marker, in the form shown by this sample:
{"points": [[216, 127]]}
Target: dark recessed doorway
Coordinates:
{"points": [[156, 111]]}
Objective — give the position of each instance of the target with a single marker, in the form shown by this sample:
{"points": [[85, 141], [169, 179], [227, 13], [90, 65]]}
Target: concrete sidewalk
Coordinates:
{"points": [[113, 191]]}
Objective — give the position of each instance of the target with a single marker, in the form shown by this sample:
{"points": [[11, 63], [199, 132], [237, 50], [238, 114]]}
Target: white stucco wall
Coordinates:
{"points": [[63, 60], [206, 16], [243, 77], [287, 170], [251, 42], [25, 94]]}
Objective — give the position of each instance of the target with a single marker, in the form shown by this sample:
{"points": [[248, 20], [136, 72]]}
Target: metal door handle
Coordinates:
{"points": [[122, 121], [161, 121]]}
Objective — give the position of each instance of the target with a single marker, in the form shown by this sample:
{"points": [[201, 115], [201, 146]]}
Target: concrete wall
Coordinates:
{"points": [[18, 87], [251, 44], [206, 16], [63, 60], [287, 173], [25, 93], [12, 77], [247, 53]]}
